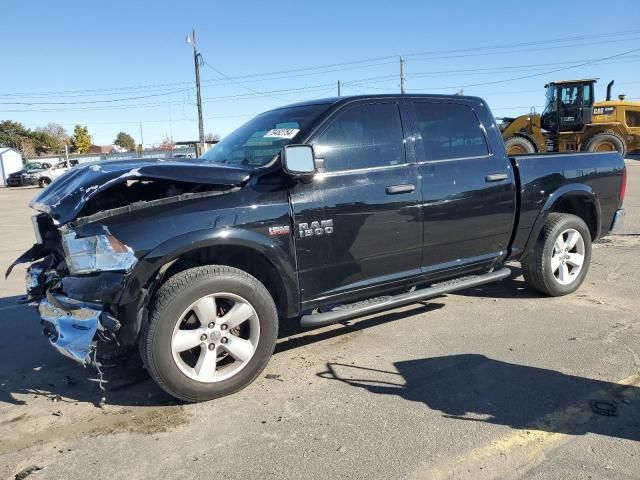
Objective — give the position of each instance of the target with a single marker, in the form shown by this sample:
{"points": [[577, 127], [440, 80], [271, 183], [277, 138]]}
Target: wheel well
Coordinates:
{"points": [[577, 206], [241, 258]]}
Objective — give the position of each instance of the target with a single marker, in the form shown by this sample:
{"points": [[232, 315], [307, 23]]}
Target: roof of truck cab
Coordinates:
{"points": [[346, 99]]}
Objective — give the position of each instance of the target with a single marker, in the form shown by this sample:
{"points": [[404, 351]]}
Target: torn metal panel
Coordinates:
{"points": [[101, 215], [102, 287], [36, 252], [65, 198]]}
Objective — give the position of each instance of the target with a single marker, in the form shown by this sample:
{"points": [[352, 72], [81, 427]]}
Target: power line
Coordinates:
{"points": [[111, 100], [544, 73], [240, 84], [505, 80], [363, 63], [471, 72]]}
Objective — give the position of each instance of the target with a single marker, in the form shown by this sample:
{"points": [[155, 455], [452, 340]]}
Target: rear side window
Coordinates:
{"points": [[365, 136], [449, 131]]}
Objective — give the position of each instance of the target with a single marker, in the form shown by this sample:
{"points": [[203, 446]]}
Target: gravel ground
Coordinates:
{"points": [[492, 382]]}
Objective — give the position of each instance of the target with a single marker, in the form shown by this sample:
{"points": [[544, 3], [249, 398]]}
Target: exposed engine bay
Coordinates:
{"points": [[80, 268], [141, 191]]}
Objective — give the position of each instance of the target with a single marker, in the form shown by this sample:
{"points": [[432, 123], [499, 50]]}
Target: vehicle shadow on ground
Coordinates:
{"points": [[292, 328], [30, 367], [475, 388]]}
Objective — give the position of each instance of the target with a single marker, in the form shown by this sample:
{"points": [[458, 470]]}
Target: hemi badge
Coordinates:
{"points": [[281, 230]]}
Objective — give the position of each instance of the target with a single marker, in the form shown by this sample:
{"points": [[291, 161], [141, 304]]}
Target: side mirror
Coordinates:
{"points": [[298, 160]]}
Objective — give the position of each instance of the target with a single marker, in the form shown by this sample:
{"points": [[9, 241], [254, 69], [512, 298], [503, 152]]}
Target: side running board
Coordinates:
{"points": [[359, 309]]}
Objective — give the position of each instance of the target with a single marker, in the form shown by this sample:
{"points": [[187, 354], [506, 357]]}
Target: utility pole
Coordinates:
{"points": [[141, 146], [197, 59], [402, 76], [338, 87], [170, 119]]}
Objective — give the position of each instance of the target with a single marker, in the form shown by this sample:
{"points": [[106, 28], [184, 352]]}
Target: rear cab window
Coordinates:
{"points": [[449, 130]]}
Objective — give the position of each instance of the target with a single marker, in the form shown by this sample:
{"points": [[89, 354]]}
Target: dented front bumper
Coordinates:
{"points": [[75, 324], [70, 326]]}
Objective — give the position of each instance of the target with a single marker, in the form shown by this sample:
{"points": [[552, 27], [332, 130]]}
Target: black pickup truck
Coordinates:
{"points": [[316, 212]]}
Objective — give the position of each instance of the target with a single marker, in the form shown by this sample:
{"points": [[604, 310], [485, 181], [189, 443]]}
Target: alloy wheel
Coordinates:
{"points": [[215, 337], [568, 256]]}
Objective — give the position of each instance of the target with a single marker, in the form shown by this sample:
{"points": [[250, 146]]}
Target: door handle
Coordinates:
{"points": [[396, 189], [496, 177]]}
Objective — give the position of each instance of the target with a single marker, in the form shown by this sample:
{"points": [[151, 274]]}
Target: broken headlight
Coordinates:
{"points": [[96, 254]]}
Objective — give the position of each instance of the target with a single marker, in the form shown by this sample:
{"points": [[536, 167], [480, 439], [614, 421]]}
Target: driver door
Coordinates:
{"points": [[358, 224]]}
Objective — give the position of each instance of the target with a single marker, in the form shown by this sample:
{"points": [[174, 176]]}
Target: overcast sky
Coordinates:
{"points": [[113, 65]]}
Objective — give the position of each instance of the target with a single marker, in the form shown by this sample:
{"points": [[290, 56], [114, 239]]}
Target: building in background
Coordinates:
{"points": [[10, 161], [101, 149]]}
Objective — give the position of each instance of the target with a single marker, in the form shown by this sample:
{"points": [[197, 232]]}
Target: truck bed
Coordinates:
{"points": [[594, 178]]}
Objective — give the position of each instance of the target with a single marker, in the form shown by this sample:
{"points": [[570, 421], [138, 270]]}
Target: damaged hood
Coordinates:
{"points": [[67, 195]]}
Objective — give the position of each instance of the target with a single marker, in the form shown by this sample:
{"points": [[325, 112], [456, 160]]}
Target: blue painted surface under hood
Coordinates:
{"points": [[66, 196]]}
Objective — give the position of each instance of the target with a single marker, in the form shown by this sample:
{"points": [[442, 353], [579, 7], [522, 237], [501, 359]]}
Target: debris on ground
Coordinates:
{"points": [[602, 407], [273, 376], [22, 474]]}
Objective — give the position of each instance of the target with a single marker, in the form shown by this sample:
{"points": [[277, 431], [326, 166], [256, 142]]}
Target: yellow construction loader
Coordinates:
{"points": [[571, 121]]}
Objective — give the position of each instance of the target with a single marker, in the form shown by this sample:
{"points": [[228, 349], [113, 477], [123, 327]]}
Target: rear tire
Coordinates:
{"points": [[211, 331], [605, 142], [560, 258], [518, 145]]}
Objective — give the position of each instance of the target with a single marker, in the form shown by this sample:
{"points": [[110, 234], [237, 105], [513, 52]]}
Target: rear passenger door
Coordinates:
{"points": [[357, 222], [468, 190]]}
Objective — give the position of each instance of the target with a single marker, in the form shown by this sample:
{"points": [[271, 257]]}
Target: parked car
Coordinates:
{"points": [[316, 213], [44, 176], [15, 179]]}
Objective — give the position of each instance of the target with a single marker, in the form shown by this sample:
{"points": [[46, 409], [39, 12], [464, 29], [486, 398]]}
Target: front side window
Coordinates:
{"points": [[364, 136], [449, 131], [550, 104], [259, 140]]}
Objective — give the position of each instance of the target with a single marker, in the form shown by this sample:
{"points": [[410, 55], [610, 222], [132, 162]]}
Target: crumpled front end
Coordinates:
{"points": [[81, 281], [72, 309]]}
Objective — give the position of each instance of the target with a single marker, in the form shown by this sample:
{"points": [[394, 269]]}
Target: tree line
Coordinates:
{"points": [[52, 138]]}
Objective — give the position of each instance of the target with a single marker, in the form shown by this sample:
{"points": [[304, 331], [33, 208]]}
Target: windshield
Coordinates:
{"points": [[256, 142], [34, 166]]}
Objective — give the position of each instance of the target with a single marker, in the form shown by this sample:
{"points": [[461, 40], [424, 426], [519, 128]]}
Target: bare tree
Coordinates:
{"points": [[27, 148], [167, 144]]}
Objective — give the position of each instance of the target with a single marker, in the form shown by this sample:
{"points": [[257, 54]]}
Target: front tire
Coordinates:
{"points": [[211, 331], [560, 259]]}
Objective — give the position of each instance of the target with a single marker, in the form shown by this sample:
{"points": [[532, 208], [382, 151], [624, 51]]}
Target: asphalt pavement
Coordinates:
{"points": [[491, 382]]}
